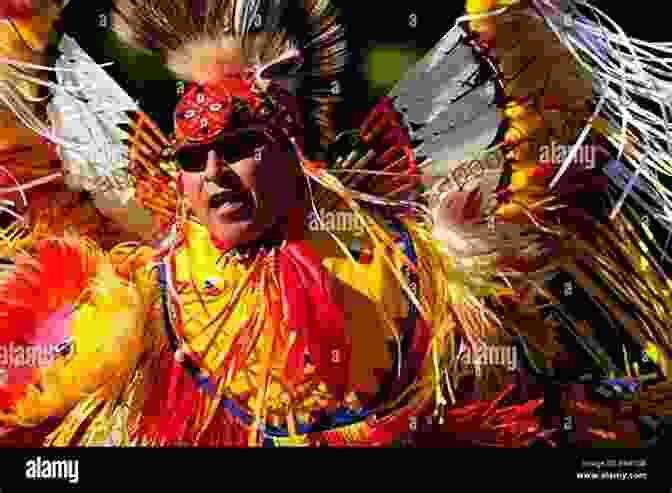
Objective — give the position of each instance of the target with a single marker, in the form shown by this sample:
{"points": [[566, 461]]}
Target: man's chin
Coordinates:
{"points": [[230, 235]]}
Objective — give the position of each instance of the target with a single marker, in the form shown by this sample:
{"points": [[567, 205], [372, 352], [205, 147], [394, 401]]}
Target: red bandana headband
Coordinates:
{"points": [[207, 112]]}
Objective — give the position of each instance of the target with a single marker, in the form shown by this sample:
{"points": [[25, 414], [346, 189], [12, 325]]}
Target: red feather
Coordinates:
{"points": [[35, 302], [37, 290]]}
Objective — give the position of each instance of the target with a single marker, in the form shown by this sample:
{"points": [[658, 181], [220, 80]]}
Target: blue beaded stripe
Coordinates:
{"points": [[202, 380], [406, 245], [341, 417], [163, 285], [408, 325]]}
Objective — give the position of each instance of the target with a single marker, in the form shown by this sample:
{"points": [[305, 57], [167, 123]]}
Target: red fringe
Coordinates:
{"points": [[169, 412], [148, 425], [317, 318], [391, 428], [224, 431], [481, 422], [179, 415]]}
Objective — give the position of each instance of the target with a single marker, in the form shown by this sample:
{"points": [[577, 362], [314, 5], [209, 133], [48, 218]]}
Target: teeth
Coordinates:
{"points": [[228, 203], [213, 189]]}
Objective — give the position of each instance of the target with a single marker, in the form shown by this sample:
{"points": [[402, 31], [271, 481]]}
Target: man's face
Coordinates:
{"points": [[240, 200]]}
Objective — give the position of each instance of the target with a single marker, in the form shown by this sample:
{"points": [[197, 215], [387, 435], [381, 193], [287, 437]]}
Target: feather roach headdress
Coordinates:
{"points": [[299, 45]]}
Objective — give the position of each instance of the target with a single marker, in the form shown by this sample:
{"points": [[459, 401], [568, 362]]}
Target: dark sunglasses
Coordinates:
{"points": [[231, 149]]}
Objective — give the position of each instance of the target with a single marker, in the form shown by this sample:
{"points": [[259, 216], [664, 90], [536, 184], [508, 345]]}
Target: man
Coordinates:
{"points": [[249, 331]]}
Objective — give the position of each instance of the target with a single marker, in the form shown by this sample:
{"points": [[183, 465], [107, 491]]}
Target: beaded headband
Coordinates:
{"points": [[232, 116], [252, 100]]}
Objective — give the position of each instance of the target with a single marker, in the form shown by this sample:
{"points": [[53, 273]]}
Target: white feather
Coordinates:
{"points": [[456, 125], [87, 116], [451, 130]]}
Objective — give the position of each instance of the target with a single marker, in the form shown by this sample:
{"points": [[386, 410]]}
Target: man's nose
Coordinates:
{"points": [[220, 172], [211, 168], [215, 168]]}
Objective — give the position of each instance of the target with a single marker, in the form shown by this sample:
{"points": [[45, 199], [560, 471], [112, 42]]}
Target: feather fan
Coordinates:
{"points": [[36, 304]]}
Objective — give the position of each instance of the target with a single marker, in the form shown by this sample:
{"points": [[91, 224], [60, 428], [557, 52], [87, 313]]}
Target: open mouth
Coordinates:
{"points": [[230, 202]]}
